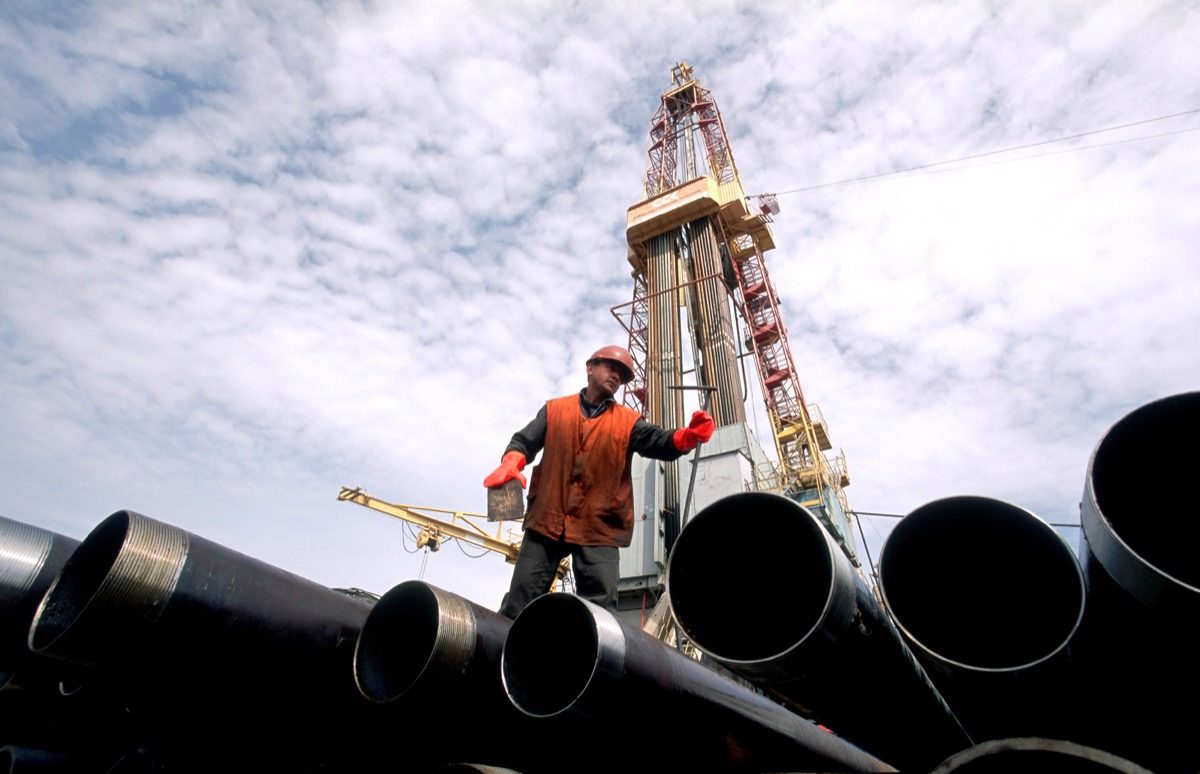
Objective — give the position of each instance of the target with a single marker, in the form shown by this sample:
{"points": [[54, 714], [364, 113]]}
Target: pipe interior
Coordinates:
{"points": [[550, 655], [396, 642], [79, 580], [1143, 478], [981, 582], [750, 577]]}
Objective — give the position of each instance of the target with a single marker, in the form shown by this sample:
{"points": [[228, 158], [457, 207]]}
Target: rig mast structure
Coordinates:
{"points": [[701, 292]]}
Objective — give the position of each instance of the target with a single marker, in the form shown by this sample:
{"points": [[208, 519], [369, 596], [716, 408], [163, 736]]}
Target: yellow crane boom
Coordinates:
{"points": [[460, 525]]}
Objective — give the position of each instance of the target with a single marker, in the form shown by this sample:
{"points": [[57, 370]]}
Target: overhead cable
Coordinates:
{"points": [[901, 516], [922, 167]]}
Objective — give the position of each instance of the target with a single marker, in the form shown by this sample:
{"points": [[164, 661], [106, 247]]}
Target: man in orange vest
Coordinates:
{"points": [[581, 494]]}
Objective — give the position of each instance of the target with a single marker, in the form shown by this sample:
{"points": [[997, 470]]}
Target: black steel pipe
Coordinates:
{"points": [[428, 653], [15, 759], [757, 583], [566, 658], [1138, 550], [419, 635], [1138, 509], [988, 597], [30, 557], [205, 640], [1034, 754], [43, 701]]}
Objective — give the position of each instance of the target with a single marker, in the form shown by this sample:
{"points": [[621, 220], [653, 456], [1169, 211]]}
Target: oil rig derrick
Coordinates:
{"points": [[703, 304]]}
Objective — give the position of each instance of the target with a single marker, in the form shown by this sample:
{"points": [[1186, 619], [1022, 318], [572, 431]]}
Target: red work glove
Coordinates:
{"points": [[699, 430], [511, 465]]}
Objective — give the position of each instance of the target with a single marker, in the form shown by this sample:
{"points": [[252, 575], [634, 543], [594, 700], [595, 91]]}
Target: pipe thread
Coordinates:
{"points": [[454, 644], [146, 570], [23, 552]]}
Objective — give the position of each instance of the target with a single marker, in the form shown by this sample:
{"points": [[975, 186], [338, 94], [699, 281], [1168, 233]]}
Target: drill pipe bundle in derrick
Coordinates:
{"points": [[202, 643], [713, 336], [664, 357], [794, 618], [1138, 645], [570, 661], [988, 597]]}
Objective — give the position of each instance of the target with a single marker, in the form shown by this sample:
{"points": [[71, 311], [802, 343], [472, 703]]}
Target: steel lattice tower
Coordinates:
{"points": [[702, 293]]}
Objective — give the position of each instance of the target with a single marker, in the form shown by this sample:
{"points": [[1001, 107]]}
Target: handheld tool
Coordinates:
{"points": [[704, 390], [505, 503]]}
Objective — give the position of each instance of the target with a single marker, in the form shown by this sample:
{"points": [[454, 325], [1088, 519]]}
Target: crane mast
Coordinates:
{"points": [[703, 303]]}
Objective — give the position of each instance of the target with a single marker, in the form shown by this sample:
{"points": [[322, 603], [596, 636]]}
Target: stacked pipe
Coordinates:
{"points": [[30, 557], [46, 706], [1082, 661], [1097, 647], [425, 652], [1003, 756], [989, 597], [1140, 639], [791, 615], [223, 660], [569, 661]]}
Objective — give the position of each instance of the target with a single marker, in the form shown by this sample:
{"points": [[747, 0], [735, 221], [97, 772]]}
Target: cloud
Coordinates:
{"points": [[252, 255]]}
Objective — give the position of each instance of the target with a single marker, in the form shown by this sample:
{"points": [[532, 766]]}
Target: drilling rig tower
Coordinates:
{"points": [[705, 315]]}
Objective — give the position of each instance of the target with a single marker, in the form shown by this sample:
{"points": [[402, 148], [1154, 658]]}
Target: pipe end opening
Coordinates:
{"points": [[738, 564], [542, 677]]}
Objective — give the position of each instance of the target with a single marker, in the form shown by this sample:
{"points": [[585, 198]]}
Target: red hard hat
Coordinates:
{"points": [[618, 355]]}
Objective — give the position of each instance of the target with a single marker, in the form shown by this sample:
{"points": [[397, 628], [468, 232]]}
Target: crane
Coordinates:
{"points": [[461, 525]]}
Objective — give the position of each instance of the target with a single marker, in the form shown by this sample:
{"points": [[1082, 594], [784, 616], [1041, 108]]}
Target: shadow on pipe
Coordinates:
{"points": [[988, 596], [791, 615], [429, 654], [567, 659], [205, 644], [1140, 640], [1034, 754]]}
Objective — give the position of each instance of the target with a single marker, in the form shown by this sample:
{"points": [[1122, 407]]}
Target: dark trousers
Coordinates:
{"points": [[596, 569]]}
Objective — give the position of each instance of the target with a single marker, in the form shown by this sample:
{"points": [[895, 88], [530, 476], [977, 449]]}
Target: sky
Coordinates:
{"points": [[251, 253]]}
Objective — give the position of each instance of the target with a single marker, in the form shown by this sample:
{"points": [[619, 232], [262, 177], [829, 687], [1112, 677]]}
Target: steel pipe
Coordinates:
{"points": [[1138, 551], [566, 658], [988, 596], [1003, 756], [43, 701], [425, 651], [785, 609], [1138, 507], [15, 759], [205, 640], [30, 557], [85, 759]]}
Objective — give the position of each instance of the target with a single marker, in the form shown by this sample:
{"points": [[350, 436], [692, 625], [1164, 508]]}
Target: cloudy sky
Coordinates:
{"points": [[254, 252]]}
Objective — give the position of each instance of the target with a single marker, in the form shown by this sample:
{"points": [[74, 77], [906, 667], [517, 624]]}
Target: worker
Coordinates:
{"points": [[581, 495]]}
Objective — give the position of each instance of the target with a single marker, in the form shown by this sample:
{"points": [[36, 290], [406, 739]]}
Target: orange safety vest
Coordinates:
{"points": [[581, 490]]}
